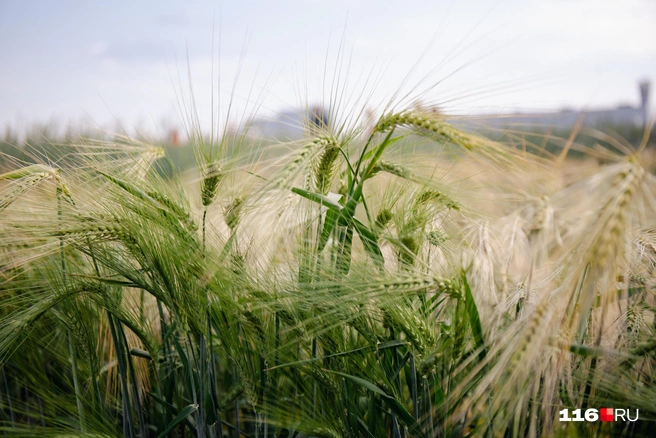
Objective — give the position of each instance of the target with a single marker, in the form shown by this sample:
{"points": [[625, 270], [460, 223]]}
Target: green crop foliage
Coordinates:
{"points": [[343, 288]]}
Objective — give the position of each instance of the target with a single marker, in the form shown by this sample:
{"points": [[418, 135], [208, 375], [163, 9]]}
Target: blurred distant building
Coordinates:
{"points": [[625, 115], [293, 124], [290, 124]]}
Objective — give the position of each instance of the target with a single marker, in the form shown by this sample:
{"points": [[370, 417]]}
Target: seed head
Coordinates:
{"points": [[212, 177]]}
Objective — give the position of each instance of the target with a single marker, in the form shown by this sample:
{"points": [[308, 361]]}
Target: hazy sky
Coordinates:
{"points": [[124, 60]]}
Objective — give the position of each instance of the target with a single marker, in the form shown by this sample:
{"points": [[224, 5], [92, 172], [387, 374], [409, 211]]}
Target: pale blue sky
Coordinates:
{"points": [[70, 59]]}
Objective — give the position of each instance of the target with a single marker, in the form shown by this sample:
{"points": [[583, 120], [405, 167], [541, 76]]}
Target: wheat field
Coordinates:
{"points": [[397, 277]]}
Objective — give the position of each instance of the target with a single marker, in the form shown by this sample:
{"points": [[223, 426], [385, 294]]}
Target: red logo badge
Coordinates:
{"points": [[606, 414]]}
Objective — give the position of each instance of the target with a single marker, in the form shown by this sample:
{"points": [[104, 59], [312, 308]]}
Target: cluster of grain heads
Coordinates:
{"points": [[418, 332], [497, 386]]}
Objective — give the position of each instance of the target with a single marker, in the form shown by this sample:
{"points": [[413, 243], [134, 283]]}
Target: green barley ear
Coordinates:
{"points": [[407, 118], [635, 322], [325, 169], [435, 238], [302, 156], [435, 125], [342, 190], [392, 169], [407, 256], [94, 230], [452, 288], [35, 169], [174, 207], [25, 178], [383, 218], [428, 196], [233, 212], [416, 329], [20, 187], [328, 381], [245, 379], [212, 177]]}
